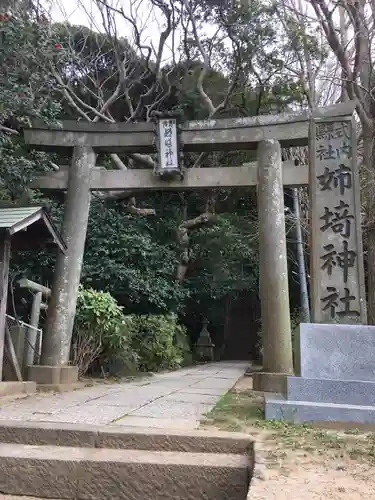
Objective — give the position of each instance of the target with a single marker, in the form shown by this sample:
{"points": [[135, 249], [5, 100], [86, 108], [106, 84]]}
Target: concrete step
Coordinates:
{"points": [[278, 408], [133, 438], [352, 392], [69, 473]]}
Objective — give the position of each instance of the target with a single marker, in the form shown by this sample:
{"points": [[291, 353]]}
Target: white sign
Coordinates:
{"points": [[168, 145]]}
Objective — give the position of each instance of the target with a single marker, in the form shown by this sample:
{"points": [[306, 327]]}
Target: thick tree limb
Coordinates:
{"points": [[8, 130], [133, 209], [76, 103], [187, 225], [184, 240]]}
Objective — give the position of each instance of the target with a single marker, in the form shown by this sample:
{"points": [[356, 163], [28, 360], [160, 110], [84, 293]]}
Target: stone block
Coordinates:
{"points": [[44, 374], [21, 474], [9, 388], [47, 433], [182, 441], [69, 375], [300, 412], [349, 392], [53, 375], [334, 351], [100, 474], [269, 382], [170, 476]]}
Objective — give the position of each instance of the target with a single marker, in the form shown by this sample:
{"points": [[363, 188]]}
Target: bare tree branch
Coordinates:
{"points": [[8, 130], [354, 92]]}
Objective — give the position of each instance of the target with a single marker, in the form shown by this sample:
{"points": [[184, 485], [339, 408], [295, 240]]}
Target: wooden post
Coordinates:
{"points": [[273, 265], [5, 246], [32, 333], [11, 354]]}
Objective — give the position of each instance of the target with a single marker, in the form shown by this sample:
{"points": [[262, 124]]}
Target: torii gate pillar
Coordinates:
{"points": [[62, 305], [273, 270]]}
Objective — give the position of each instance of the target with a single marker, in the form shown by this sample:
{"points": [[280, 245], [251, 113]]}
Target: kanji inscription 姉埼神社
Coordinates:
{"points": [[337, 265]]}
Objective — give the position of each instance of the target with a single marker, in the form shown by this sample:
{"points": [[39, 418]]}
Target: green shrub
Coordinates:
{"points": [[159, 341], [101, 331], [106, 340]]}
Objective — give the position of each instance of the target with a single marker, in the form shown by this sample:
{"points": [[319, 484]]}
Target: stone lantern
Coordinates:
{"points": [[204, 348]]}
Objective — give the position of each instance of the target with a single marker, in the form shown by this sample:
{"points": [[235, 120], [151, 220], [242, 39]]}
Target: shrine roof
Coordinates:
{"points": [[15, 219]]}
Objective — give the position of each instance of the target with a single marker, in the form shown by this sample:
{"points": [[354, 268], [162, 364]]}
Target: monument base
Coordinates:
{"points": [[300, 412], [337, 382], [53, 375], [269, 382]]}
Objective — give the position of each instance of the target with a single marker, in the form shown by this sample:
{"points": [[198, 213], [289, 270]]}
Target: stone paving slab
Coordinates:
{"points": [[215, 383], [157, 423], [204, 392], [172, 409], [100, 415], [187, 397], [170, 400], [134, 400]]}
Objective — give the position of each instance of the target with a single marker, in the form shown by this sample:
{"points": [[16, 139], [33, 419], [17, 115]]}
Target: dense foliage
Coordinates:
{"points": [[107, 341], [159, 341], [26, 93]]}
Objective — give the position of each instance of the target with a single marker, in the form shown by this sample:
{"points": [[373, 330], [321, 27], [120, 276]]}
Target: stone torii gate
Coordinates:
{"points": [[267, 134]]}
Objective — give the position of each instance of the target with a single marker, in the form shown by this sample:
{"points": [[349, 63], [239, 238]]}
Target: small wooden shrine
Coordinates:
{"points": [[21, 228]]}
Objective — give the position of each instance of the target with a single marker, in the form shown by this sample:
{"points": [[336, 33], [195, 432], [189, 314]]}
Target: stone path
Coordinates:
{"points": [[176, 400]]}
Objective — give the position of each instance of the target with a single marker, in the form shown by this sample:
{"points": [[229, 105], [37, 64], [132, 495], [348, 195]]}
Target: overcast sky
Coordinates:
{"points": [[86, 12], [149, 20]]}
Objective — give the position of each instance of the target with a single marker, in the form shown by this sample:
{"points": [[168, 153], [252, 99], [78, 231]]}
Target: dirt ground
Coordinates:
{"points": [[299, 462]]}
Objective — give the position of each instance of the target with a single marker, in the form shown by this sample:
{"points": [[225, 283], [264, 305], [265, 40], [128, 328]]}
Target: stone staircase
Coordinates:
{"points": [[69, 462]]}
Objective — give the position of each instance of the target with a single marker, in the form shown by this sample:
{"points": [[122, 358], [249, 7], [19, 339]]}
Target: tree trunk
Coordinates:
{"points": [[32, 333]]}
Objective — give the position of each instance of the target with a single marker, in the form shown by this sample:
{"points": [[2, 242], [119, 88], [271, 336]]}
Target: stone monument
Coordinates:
{"points": [[335, 355], [336, 382], [337, 276]]}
